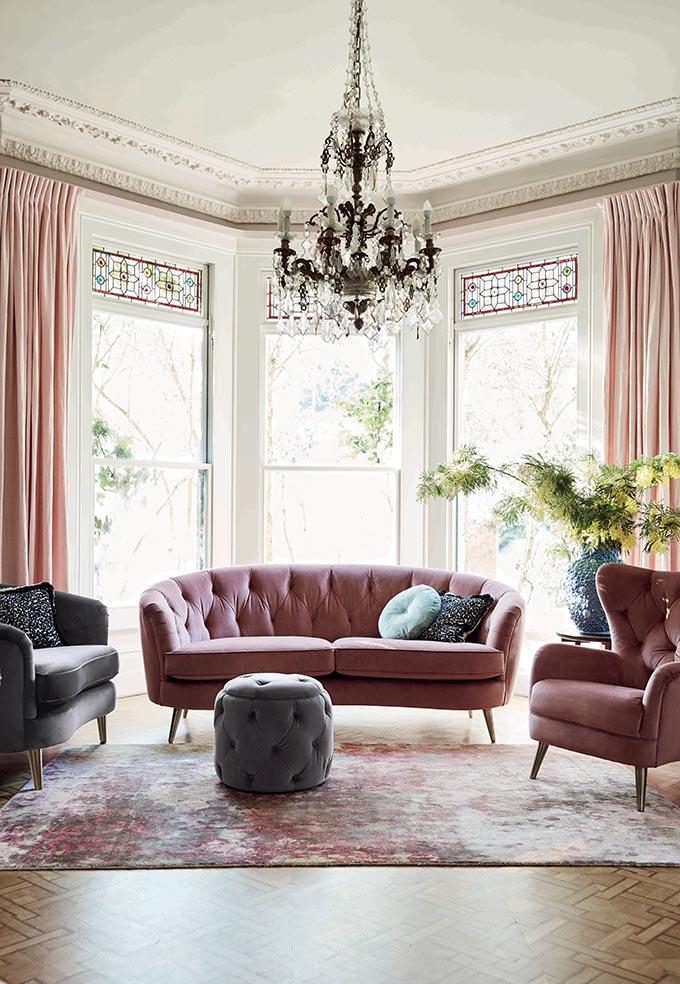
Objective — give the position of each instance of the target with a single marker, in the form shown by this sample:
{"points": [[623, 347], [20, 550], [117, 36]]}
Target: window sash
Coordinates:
{"points": [[176, 319]]}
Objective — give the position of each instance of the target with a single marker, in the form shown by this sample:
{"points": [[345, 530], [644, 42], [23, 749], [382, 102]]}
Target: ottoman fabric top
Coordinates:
{"points": [[273, 686]]}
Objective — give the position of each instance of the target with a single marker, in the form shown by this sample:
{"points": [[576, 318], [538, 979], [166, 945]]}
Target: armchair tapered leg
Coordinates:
{"points": [[101, 725], [640, 787], [538, 761], [488, 717], [469, 714], [174, 723], [35, 760], [185, 712]]}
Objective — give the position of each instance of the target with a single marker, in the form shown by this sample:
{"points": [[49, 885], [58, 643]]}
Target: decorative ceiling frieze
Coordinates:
{"points": [[63, 135]]}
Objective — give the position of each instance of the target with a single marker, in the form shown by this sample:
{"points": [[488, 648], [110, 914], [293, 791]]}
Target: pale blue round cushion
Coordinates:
{"points": [[409, 613]]}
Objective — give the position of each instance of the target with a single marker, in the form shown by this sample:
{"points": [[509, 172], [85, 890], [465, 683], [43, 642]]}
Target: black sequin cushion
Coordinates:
{"points": [[458, 618], [31, 609]]}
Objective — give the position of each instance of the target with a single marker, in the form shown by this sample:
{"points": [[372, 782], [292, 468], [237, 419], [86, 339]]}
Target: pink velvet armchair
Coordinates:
{"points": [[622, 705]]}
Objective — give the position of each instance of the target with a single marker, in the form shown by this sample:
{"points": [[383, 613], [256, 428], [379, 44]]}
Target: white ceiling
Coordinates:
{"points": [[258, 79]]}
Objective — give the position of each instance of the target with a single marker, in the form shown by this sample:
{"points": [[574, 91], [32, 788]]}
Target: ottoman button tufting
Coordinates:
{"points": [[254, 764]]}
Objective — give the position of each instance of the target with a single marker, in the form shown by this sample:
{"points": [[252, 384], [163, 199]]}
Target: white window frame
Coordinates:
{"points": [[558, 235], [561, 234], [148, 232], [269, 328], [167, 316]]}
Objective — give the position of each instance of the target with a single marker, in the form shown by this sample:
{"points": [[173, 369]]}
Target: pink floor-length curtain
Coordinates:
{"points": [[642, 330], [38, 266]]}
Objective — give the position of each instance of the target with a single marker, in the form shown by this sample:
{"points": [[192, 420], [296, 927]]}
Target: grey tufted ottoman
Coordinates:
{"points": [[273, 733]]}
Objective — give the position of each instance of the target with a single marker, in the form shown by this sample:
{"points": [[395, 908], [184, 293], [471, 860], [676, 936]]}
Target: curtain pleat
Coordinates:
{"points": [[642, 332], [38, 280]]}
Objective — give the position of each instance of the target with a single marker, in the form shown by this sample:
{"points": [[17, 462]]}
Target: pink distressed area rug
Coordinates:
{"points": [[141, 806]]}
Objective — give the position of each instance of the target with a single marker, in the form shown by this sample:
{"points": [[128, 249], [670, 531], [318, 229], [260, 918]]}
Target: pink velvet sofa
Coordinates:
{"points": [[622, 705], [202, 629]]}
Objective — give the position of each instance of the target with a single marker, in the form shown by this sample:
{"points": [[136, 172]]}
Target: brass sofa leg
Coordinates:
{"points": [[469, 714], [488, 717], [101, 725], [538, 761], [640, 787], [174, 723], [35, 760]]}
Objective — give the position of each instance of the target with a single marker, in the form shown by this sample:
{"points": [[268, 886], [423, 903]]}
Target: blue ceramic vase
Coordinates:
{"points": [[581, 594]]}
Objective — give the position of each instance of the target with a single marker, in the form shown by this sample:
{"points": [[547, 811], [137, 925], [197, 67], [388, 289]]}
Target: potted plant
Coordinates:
{"points": [[597, 510]]}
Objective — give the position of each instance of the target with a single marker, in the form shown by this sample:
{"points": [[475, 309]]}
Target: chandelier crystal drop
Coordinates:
{"points": [[351, 274]]}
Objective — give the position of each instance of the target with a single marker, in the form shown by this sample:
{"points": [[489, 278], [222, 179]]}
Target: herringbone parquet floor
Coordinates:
{"points": [[339, 925]]}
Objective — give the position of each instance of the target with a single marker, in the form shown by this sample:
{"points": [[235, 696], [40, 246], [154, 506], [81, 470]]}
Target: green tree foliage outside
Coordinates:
{"points": [[369, 429], [106, 443]]}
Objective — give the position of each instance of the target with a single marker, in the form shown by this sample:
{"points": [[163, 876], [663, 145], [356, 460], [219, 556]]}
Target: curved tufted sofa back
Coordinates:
{"points": [[643, 610], [310, 600]]}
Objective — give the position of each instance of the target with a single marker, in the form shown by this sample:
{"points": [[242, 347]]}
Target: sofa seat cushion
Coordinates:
{"points": [[411, 659], [222, 659], [617, 710], [63, 672]]}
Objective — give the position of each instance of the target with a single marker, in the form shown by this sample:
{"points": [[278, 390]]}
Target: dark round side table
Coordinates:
{"points": [[579, 638]]}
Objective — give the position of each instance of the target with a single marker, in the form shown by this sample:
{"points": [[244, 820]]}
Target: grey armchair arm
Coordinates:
{"points": [[17, 686]]}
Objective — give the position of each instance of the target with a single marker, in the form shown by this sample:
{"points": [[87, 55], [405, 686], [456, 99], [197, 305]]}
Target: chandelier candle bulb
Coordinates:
{"points": [[284, 219], [427, 217], [391, 200]]}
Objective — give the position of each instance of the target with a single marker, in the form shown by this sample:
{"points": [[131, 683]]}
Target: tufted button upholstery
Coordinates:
{"points": [[273, 733], [203, 628], [643, 610]]}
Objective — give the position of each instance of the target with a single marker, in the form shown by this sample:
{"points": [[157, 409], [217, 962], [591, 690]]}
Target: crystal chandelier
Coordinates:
{"points": [[351, 274]]}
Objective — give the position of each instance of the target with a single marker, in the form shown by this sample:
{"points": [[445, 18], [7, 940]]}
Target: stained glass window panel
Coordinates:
{"points": [[527, 285], [134, 278]]}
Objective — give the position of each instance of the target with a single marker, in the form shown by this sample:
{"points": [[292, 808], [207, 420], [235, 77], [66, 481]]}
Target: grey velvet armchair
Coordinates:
{"points": [[47, 694]]}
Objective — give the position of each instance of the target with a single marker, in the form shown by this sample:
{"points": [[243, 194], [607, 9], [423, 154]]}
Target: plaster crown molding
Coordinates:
{"points": [[65, 136], [20, 98]]}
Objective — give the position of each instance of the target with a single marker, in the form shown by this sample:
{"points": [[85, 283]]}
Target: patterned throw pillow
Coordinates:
{"points": [[30, 608], [458, 618]]}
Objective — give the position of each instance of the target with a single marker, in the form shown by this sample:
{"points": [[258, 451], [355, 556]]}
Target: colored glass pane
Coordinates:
{"points": [[132, 278], [526, 285]]}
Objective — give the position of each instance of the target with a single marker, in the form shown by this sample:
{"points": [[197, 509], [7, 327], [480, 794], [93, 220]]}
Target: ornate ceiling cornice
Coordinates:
{"points": [[64, 135], [115, 178], [568, 184]]}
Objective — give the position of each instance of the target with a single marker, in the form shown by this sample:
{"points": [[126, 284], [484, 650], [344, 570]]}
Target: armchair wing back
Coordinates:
{"points": [[643, 611]]}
